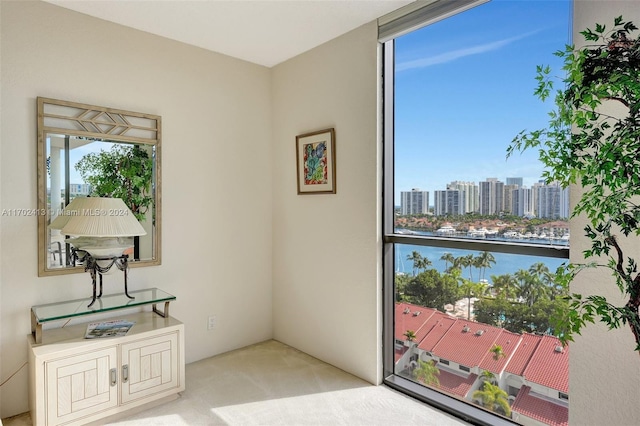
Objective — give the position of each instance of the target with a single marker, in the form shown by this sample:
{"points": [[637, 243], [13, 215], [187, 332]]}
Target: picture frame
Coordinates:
{"points": [[316, 162]]}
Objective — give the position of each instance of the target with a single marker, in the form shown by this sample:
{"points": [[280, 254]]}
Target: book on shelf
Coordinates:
{"points": [[113, 328]]}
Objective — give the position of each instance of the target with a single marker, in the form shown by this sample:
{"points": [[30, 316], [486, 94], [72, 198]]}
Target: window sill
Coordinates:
{"points": [[447, 404]]}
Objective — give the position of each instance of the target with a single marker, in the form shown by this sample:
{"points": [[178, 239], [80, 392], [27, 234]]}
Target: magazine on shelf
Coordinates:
{"points": [[112, 328]]}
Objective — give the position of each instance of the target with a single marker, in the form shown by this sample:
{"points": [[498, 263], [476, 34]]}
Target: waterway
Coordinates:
{"points": [[505, 263]]}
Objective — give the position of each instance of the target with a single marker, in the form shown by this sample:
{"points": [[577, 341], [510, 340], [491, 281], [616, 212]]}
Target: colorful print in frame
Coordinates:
{"points": [[316, 162]]}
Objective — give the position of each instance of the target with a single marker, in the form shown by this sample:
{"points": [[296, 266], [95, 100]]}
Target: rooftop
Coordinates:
{"points": [[539, 359]]}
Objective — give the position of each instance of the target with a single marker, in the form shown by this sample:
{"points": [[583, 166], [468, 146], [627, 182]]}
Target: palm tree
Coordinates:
{"points": [[417, 260], [539, 269], [448, 259], [457, 264], [484, 261], [505, 285], [427, 373], [493, 398], [497, 352], [531, 287], [423, 263], [466, 262], [410, 335], [488, 376], [470, 289]]}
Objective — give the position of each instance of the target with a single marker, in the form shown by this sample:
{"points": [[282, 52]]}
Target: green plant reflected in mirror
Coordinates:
{"points": [[86, 150]]}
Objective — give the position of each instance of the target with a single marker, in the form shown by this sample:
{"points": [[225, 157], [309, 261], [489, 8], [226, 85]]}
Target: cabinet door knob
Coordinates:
{"points": [[125, 373], [114, 376]]}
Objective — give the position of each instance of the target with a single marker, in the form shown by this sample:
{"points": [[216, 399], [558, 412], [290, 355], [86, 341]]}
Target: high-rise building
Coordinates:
{"points": [[491, 193], [414, 202], [508, 197], [448, 202], [470, 198], [522, 202], [552, 201], [515, 181]]}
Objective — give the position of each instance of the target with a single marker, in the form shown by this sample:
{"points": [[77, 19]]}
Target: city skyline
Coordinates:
{"points": [[491, 196], [486, 75]]}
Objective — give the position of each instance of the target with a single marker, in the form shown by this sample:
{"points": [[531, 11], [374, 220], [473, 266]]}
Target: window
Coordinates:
{"points": [[471, 240]]}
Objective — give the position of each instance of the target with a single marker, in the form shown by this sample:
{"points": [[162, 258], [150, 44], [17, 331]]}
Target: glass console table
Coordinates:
{"points": [[110, 302]]}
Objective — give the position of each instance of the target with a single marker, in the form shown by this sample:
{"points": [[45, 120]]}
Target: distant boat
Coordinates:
{"points": [[491, 232], [446, 230], [477, 233]]}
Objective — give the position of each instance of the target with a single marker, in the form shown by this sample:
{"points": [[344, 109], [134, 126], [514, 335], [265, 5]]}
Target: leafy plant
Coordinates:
{"points": [[125, 171], [497, 352], [493, 398], [427, 373], [601, 152], [410, 335]]}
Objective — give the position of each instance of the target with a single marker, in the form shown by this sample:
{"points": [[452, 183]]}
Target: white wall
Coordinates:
{"points": [[604, 370], [326, 282], [229, 165], [217, 197]]}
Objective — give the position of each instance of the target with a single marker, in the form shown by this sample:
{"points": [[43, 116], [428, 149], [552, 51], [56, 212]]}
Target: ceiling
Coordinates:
{"points": [[264, 32]]}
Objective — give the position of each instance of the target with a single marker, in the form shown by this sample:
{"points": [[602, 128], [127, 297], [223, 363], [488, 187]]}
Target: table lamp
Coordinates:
{"points": [[99, 229]]}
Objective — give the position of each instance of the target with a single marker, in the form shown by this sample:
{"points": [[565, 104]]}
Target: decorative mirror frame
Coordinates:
{"points": [[108, 124]]}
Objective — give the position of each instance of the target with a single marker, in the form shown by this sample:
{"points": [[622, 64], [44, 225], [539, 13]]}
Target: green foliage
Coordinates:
{"points": [[430, 288], [582, 145], [471, 289], [497, 352], [427, 373], [123, 172], [527, 301], [410, 335], [488, 376], [493, 398], [518, 317], [419, 262]]}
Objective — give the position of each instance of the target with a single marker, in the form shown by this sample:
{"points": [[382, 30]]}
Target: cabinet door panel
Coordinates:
{"points": [[79, 386], [152, 365]]}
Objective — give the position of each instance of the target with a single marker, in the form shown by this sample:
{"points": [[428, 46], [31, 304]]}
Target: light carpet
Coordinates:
{"points": [[273, 384]]}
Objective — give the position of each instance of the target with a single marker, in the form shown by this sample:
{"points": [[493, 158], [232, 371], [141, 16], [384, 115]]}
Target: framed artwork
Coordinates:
{"points": [[316, 162]]}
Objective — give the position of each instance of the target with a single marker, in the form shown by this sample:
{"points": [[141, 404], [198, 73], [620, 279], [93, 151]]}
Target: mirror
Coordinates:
{"points": [[86, 150]]}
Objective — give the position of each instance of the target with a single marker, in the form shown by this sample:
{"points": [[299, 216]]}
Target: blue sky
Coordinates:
{"points": [[464, 89]]}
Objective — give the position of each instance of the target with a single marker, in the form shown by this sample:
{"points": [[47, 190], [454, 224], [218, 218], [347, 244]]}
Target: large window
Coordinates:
{"points": [[472, 240]]}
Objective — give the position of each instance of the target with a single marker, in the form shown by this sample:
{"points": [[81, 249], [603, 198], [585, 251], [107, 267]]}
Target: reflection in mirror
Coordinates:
{"points": [[92, 151]]}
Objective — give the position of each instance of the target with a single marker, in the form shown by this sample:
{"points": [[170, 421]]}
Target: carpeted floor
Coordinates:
{"points": [[274, 384]]}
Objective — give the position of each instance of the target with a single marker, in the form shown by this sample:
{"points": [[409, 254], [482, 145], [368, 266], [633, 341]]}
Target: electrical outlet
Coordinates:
{"points": [[212, 322]]}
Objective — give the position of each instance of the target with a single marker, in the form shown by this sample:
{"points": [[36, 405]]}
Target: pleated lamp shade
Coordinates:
{"points": [[97, 217]]}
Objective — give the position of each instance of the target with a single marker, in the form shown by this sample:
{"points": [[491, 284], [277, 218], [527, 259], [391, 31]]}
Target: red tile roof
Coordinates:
{"points": [[549, 365], [509, 342], [471, 347], [436, 327], [541, 410], [523, 354], [455, 384], [406, 319], [531, 356]]}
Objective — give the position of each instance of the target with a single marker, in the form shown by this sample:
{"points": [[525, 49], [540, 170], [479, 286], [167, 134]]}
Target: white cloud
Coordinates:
{"points": [[457, 54]]}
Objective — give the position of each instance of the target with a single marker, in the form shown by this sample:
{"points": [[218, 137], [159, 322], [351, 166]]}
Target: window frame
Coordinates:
{"points": [[457, 407]]}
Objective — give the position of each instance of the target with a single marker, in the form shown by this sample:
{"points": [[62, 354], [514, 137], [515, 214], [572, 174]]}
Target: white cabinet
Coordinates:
{"points": [[80, 385], [76, 380], [149, 366]]}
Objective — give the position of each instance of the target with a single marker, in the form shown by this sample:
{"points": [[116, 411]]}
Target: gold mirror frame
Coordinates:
{"points": [[89, 124]]}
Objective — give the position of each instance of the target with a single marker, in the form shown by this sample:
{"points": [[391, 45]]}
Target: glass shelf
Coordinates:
{"points": [[110, 302]]}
